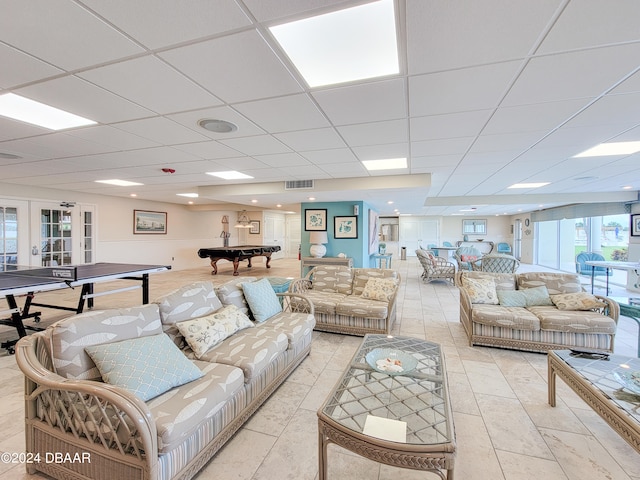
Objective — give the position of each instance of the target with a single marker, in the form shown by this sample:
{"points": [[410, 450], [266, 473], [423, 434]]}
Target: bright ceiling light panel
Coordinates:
{"points": [[529, 185], [343, 46], [188, 195], [613, 148], [119, 183], [36, 113], [386, 164], [230, 175]]}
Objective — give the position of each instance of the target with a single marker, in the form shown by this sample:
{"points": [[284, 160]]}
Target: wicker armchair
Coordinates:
{"points": [[465, 256], [435, 268], [496, 263]]}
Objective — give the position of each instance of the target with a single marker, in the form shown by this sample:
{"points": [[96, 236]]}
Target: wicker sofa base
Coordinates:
{"points": [[110, 465], [349, 325]]}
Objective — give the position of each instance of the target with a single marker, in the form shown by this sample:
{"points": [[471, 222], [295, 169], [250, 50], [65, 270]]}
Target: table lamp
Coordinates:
{"points": [[317, 239]]}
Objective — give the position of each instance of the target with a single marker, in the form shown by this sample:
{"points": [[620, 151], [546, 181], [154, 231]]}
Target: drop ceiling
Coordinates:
{"points": [[490, 94]]}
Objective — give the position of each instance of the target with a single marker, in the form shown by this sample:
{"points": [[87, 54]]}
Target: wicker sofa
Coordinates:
{"points": [[71, 410], [535, 311], [353, 301]]}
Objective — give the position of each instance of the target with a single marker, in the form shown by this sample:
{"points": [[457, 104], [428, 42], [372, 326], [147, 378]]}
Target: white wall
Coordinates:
{"points": [[498, 229], [187, 229]]}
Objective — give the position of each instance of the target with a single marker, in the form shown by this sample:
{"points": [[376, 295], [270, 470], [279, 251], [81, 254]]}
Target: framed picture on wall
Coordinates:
{"points": [[255, 227], [635, 225], [345, 227], [147, 222], [315, 220]]}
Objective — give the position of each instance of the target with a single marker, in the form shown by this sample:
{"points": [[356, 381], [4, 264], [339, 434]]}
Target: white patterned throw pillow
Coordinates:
{"points": [[379, 289], [576, 301], [146, 366], [204, 333], [481, 290]]}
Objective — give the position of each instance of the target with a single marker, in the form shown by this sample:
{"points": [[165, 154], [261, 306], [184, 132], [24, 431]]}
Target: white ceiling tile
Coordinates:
{"points": [[161, 130], [350, 169], [258, 145], [464, 124], [67, 27], [506, 141], [81, 98], [302, 113], [151, 83], [381, 152], [621, 110], [337, 155], [589, 23], [580, 74], [113, 138], [444, 35], [368, 102], [208, 150], [280, 160], [440, 147], [250, 69], [317, 139], [158, 23], [12, 129], [536, 117], [24, 68], [462, 90], [391, 131], [265, 10]]}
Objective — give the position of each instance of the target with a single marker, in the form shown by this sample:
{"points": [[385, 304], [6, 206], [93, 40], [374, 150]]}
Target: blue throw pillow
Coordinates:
{"points": [[263, 301], [146, 366]]}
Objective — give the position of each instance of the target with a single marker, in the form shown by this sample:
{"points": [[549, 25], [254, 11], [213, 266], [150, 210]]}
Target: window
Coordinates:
{"points": [[8, 237]]}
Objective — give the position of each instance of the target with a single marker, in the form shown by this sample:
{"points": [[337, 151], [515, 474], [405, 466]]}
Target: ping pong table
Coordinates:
{"points": [[27, 281]]}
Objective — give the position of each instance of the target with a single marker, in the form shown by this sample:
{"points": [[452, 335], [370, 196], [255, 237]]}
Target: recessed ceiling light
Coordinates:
{"points": [[312, 198], [36, 113], [627, 187], [386, 164], [279, 205], [230, 175], [133, 194], [343, 46], [217, 126], [390, 202], [189, 195], [254, 201], [529, 185], [611, 148], [119, 183]]}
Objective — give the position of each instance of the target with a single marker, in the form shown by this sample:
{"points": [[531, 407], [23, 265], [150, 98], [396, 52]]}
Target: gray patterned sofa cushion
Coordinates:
{"points": [[182, 410], [252, 350], [230, 293], [503, 281], [188, 302], [578, 321], [294, 325], [333, 279], [500, 316], [323, 302], [555, 282], [356, 306], [69, 337]]}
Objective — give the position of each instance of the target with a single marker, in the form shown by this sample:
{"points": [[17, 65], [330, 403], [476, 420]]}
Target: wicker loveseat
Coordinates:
{"points": [[124, 435], [535, 311], [354, 301]]}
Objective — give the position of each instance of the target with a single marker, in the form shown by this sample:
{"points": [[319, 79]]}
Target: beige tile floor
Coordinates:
{"points": [[504, 427]]}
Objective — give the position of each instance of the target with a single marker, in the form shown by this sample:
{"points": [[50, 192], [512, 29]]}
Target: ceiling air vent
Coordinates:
{"points": [[298, 184]]}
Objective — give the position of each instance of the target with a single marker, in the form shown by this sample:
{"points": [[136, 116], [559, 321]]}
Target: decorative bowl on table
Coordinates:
{"points": [[391, 361], [629, 380]]}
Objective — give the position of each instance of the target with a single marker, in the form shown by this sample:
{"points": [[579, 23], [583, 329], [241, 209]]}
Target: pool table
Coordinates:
{"points": [[236, 254]]}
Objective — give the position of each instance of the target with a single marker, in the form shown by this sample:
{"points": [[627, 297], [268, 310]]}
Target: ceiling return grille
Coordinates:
{"points": [[298, 184]]}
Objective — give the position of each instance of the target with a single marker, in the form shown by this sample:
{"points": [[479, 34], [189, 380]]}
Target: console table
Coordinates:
{"points": [[309, 262]]}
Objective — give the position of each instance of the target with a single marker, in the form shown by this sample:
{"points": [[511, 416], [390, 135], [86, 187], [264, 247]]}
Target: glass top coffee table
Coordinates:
{"points": [[605, 383], [397, 418]]}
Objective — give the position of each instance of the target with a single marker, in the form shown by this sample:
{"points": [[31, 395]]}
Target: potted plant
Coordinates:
{"points": [[382, 247]]}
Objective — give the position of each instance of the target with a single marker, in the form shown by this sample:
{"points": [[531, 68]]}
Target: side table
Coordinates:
{"points": [[630, 307]]}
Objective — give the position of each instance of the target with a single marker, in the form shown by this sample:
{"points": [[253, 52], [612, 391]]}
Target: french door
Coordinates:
{"points": [[62, 235]]}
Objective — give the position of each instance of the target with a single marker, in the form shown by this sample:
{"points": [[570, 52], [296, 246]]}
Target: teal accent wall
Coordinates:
{"points": [[356, 248]]}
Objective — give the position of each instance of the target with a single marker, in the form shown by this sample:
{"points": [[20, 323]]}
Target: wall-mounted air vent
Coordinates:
{"points": [[298, 184]]}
